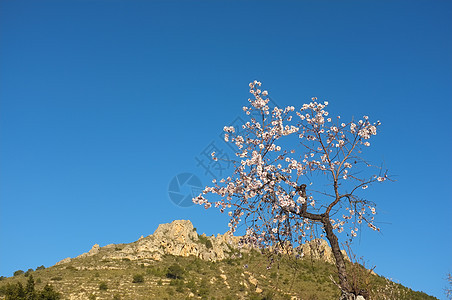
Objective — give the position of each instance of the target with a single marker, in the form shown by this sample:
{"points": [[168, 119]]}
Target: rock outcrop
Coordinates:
{"points": [[319, 249], [179, 238], [94, 250]]}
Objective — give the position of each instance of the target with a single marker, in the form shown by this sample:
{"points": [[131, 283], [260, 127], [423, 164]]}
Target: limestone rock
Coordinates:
{"points": [[253, 280], [319, 249], [64, 261], [179, 238], [94, 250]]}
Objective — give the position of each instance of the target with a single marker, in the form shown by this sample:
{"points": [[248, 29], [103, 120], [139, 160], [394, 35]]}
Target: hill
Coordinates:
{"points": [[177, 263]]}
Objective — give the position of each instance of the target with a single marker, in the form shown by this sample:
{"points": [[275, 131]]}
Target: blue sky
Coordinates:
{"points": [[103, 103]]}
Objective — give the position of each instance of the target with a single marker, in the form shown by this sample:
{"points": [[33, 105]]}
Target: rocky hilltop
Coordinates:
{"points": [[180, 238]]}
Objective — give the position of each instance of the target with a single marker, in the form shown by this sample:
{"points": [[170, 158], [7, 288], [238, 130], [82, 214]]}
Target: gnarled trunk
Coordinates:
{"points": [[340, 262]]}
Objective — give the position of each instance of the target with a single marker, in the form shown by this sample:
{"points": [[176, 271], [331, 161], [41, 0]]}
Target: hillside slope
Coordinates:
{"points": [[177, 263]]}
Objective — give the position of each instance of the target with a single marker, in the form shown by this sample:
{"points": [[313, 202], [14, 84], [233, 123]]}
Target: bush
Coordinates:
{"points": [[18, 272], [56, 278], [202, 292], [175, 272], [138, 278], [103, 286], [205, 241], [28, 272], [116, 297], [40, 268]]}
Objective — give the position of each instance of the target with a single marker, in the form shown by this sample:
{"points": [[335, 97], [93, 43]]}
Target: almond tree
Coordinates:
{"points": [[297, 171]]}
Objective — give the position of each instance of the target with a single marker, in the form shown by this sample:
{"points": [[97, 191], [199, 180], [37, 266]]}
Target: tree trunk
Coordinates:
{"points": [[340, 262]]}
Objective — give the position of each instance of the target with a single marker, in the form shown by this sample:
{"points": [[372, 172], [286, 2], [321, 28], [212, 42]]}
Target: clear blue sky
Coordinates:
{"points": [[102, 103]]}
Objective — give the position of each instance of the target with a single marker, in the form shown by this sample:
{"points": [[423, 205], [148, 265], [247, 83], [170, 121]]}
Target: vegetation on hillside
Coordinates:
{"points": [[247, 276], [17, 291]]}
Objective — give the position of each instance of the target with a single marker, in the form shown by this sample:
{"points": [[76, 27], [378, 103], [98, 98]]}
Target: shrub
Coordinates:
{"points": [[28, 272], [40, 268], [116, 297], [138, 278], [202, 292], [175, 272], [103, 286], [56, 278], [205, 241], [18, 272]]}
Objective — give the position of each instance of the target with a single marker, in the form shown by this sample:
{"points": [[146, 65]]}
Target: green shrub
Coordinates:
{"points": [[40, 268], [138, 278], [116, 297], [205, 241], [103, 286], [202, 292], [56, 278], [18, 272], [175, 271], [28, 272]]}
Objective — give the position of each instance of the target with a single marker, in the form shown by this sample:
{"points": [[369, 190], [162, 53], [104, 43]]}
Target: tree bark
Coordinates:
{"points": [[340, 262]]}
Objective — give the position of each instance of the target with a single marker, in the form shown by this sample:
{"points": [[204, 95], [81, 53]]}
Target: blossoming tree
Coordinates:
{"points": [[297, 171]]}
